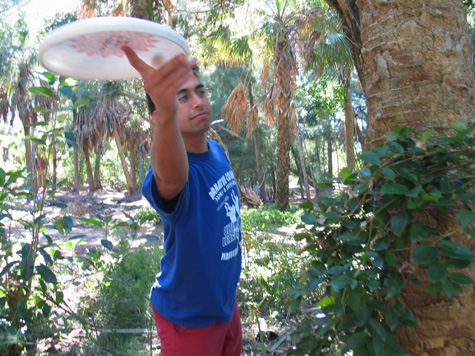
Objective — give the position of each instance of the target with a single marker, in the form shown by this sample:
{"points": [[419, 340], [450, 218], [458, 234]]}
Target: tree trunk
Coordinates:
{"points": [[330, 153], [257, 153], [130, 184], [76, 169], [55, 166], [283, 60], [133, 171], [349, 125], [302, 163], [76, 155], [90, 175], [416, 69], [97, 170]]}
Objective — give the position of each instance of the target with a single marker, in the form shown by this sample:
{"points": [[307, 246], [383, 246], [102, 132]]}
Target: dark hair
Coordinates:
{"points": [[150, 103]]}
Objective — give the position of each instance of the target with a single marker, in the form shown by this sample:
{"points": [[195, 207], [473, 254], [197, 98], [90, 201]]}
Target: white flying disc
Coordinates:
{"points": [[90, 49]]}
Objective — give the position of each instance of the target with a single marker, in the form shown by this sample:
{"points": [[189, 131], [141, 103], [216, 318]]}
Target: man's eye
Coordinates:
{"points": [[201, 92], [184, 97]]}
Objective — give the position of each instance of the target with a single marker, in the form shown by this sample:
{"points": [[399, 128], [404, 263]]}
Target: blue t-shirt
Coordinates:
{"points": [[202, 263]]}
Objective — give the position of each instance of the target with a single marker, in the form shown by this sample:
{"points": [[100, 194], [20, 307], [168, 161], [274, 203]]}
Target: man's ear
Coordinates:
{"points": [[153, 118]]}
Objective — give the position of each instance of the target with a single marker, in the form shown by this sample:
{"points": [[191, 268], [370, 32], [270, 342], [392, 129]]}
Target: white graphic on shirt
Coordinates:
{"points": [[231, 231]]}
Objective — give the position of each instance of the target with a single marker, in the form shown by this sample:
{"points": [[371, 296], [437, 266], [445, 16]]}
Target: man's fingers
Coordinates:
{"points": [[135, 61]]}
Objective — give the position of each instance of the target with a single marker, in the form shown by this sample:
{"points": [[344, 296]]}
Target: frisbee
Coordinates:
{"points": [[90, 49]]}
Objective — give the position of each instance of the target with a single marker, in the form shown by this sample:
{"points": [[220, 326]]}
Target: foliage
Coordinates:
{"points": [[123, 291], [29, 287], [364, 241], [269, 217]]}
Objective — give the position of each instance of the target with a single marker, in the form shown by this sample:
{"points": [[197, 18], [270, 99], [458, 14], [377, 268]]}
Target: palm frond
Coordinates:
{"points": [[235, 108], [269, 104]]}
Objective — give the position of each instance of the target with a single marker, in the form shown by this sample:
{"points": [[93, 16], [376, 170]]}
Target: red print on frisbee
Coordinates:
{"points": [[107, 44]]}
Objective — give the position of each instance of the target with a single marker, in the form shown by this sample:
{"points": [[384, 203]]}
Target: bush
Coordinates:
{"points": [[365, 242]]}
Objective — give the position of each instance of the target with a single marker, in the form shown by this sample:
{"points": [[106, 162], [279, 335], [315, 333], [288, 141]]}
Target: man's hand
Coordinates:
{"points": [[163, 83]]}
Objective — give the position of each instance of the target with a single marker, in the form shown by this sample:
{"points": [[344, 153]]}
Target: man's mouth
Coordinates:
{"points": [[201, 115]]}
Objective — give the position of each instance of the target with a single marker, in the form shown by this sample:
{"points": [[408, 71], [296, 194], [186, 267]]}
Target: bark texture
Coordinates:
{"points": [[414, 62], [283, 62]]}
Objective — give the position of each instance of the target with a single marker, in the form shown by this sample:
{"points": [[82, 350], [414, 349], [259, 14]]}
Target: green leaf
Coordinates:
{"points": [[92, 221], [326, 301], [309, 219], [46, 274], [451, 288], [433, 288], [295, 306], [399, 222], [404, 172], [2, 177], [365, 172], [370, 157], [107, 244], [436, 271], [414, 192], [392, 319], [455, 250], [419, 232], [381, 151], [38, 141], [377, 329], [362, 315], [465, 216], [390, 258], [8, 267], [66, 91], [79, 103], [458, 126], [424, 254], [415, 204], [41, 91], [467, 196], [353, 237], [394, 188], [77, 237], [27, 264], [151, 237], [394, 282], [356, 340], [459, 278], [388, 173]]}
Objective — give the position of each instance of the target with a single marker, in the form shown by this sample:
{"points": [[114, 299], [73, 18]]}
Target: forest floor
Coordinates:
{"points": [[115, 204]]}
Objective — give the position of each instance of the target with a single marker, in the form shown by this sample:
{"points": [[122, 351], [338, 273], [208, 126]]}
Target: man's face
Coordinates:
{"points": [[194, 111]]}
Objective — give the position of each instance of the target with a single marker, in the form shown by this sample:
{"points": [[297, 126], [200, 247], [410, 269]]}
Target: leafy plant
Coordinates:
{"points": [[364, 241]]}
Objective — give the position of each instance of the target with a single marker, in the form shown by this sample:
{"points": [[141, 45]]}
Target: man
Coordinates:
{"points": [[191, 185]]}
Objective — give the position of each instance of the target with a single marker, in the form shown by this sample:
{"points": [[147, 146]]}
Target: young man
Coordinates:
{"points": [[191, 185]]}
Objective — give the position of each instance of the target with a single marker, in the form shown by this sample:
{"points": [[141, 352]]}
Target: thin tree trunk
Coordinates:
{"points": [[130, 183], [97, 171], [76, 155], [132, 166], [76, 169], [349, 115], [257, 153], [141, 170], [302, 162], [90, 175], [330, 153]]}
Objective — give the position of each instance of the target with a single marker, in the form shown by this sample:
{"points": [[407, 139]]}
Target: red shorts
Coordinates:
{"points": [[218, 339]]}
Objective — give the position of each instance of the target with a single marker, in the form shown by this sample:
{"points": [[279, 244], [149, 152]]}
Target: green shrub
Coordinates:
{"points": [[364, 242]]}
